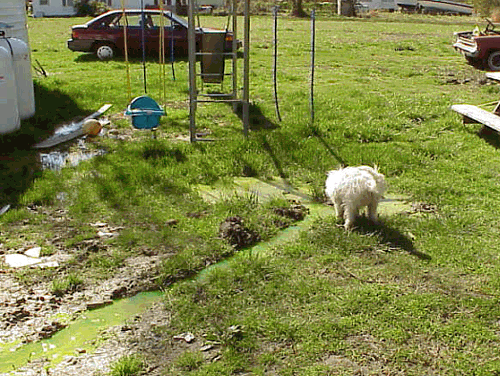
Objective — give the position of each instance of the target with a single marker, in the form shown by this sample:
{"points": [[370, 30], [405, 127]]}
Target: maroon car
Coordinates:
{"points": [[480, 48], [104, 35]]}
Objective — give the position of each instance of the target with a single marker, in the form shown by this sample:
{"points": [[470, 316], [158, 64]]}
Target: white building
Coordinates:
{"points": [[58, 8]]}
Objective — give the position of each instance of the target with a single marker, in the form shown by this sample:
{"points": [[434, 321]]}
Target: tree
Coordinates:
{"points": [[297, 9], [89, 7]]}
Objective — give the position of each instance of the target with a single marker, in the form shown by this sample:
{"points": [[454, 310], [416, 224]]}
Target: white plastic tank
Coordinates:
{"points": [[9, 119], [22, 72], [13, 13]]}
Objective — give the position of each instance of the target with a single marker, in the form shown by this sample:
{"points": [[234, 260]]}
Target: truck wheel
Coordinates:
{"points": [[493, 62], [105, 51]]}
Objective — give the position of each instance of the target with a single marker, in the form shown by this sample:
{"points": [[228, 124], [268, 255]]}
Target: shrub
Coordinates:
{"points": [[90, 8]]}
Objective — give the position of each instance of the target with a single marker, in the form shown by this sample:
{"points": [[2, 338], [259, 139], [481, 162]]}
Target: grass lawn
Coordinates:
{"points": [[417, 295]]}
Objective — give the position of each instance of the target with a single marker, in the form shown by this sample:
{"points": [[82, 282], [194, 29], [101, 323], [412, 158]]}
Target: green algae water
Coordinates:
{"points": [[87, 329], [286, 235], [79, 334], [82, 332]]}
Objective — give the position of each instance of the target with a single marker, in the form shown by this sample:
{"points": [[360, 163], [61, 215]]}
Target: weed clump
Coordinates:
{"points": [[69, 283], [128, 366]]}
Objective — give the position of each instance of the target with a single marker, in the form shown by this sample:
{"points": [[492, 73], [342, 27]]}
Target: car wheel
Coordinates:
{"points": [[105, 51], [493, 61]]}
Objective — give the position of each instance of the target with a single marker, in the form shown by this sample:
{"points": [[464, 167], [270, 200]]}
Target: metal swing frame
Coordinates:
{"points": [[195, 95]]}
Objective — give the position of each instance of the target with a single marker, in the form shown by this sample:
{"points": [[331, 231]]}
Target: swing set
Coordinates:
{"points": [[144, 111]]}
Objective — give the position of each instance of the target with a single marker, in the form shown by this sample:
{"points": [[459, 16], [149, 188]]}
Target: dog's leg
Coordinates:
{"points": [[339, 208], [350, 218], [372, 211]]}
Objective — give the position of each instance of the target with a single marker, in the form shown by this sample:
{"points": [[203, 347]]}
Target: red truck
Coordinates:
{"points": [[480, 48]]}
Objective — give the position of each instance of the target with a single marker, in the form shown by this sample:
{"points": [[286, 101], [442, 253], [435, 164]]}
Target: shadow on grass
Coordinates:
{"points": [[19, 164], [268, 148], [491, 136], [256, 119], [332, 152], [136, 57], [157, 152], [389, 236]]}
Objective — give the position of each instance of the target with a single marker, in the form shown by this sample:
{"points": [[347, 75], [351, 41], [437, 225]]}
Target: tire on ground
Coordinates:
{"points": [[493, 61]]}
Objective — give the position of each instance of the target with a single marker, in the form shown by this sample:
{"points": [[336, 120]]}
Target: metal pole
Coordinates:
{"points": [[313, 37], [246, 69], [275, 68], [172, 57], [234, 52], [162, 54], [143, 42], [192, 71]]}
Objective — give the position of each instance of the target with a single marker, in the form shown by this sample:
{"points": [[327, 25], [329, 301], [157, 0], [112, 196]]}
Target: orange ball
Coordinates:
{"points": [[92, 127]]}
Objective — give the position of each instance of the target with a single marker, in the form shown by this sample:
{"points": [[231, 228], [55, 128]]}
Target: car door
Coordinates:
{"points": [[103, 30], [175, 35], [134, 33]]}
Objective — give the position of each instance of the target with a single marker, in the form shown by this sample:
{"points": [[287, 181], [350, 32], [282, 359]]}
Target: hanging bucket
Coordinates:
{"points": [[144, 112], [213, 59]]}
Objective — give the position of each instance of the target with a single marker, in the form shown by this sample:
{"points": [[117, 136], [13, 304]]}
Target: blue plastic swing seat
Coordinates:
{"points": [[144, 112]]}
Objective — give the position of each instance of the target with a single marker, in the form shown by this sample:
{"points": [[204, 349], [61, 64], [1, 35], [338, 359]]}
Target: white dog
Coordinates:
{"points": [[352, 188]]}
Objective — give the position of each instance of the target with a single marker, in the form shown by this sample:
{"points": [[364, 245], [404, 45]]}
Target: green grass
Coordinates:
{"points": [[70, 283], [127, 366], [417, 295]]}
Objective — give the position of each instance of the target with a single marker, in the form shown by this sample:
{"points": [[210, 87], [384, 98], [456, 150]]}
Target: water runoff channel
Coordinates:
{"points": [[87, 328]]}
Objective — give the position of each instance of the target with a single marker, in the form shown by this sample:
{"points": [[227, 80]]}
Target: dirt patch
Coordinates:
{"points": [[27, 313], [466, 77], [422, 207], [141, 335], [296, 211], [234, 231]]}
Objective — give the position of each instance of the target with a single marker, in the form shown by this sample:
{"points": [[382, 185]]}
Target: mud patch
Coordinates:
{"points": [[31, 314], [474, 77], [422, 207], [234, 231], [296, 211]]}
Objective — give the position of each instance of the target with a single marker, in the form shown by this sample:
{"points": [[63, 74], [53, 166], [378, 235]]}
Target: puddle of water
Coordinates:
{"points": [[266, 190], [79, 334], [394, 204], [56, 160]]}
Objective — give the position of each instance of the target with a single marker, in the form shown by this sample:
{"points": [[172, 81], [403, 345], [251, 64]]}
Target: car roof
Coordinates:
{"points": [[168, 13]]}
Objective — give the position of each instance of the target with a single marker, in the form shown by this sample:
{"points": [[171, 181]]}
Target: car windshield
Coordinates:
{"points": [[134, 18]]}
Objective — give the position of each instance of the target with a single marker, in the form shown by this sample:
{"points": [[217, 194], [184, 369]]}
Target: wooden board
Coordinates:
{"points": [[493, 75], [479, 115], [69, 132]]}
